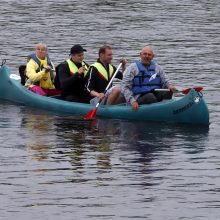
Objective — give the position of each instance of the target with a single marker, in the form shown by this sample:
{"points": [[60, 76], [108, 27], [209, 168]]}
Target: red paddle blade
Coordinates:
{"points": [[198, 89], [91, 114]]}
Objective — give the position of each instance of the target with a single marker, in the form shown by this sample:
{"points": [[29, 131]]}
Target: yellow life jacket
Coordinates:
{"points": [[74, 69], [103, 71], [47, 81]]}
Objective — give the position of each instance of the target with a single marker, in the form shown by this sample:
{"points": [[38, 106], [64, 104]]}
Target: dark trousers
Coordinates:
{"points": [[75, 98], [153, 97]]}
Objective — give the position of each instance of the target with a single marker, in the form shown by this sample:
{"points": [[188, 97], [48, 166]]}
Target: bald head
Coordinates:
{"points": [[146, 55]]}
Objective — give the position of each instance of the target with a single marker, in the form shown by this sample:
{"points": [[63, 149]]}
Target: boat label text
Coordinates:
{"points": [[184, 108]]}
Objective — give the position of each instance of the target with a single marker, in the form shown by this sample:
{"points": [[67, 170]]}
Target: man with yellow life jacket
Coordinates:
{"points": [[142, 77], [70, 77], [100, 74], [40, 72]]}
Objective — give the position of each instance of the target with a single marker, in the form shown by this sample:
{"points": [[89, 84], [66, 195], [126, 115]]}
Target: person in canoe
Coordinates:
{"points": [[40, 72], [22, 72], [70, 78], [141, 79], [99, 75]]}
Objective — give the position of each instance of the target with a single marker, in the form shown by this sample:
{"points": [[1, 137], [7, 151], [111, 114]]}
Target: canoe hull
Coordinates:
{"points": [[189, 109]]}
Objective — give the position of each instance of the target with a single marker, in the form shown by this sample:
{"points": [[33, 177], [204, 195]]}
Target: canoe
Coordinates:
{"points": [[190, 108]]}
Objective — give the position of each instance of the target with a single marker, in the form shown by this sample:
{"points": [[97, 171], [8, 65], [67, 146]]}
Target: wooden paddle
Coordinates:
{"points": [[183, 91], [92, 114]]}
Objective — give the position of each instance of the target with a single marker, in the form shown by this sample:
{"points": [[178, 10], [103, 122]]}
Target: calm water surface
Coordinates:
{"points": [[61, 167]]}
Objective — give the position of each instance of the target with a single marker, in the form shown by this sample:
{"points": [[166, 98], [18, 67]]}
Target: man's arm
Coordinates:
{"points": [[119, 75], [129, 74], [91, 82], [166, 83]]}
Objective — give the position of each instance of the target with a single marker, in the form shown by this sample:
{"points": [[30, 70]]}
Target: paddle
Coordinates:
{"points": [[183, 91], [92, 114]]}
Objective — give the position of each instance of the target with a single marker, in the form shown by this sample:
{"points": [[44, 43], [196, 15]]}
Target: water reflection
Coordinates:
{"points": [[38, 152], [142, 143], [148, 135], [85, 143], [105, 136], [99, 162], [101, 139], [38, 127]]}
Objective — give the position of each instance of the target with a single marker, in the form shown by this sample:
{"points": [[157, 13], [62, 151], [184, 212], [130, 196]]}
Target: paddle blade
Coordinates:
{"points": [[91, 114], [186, 91], [198, 89]]}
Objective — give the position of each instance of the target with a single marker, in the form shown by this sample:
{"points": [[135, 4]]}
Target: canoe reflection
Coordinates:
{"points": [[38, 134], [147, 138], [107, 140], [104, 143]]}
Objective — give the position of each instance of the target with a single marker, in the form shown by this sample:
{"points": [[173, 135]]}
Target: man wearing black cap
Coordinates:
{"points": [[70, 76]]}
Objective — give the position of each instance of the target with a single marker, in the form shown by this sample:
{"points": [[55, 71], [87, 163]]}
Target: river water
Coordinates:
{"points": [[62, 167]]}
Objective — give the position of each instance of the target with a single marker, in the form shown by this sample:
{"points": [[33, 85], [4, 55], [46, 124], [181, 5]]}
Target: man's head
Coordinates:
{"points": [[77, 53], [41, 50], [105, 54], [146, 55]]}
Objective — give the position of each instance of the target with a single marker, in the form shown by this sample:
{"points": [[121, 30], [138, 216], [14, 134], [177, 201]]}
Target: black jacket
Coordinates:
{"points": [[68, 83], [96, 82]]}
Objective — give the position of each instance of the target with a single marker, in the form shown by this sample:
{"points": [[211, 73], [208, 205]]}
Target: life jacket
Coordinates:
{"points": [[74, 69], [34, 57], [146, 80], [103, 72]]}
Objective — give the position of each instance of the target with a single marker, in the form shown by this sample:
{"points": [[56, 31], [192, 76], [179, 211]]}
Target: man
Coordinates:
{"points": [[40, 72], [70, 76], [100, 74], [142, 77]]}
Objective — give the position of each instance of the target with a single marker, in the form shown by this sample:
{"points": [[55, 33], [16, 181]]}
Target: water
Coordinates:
{"points": [[61, 167]]}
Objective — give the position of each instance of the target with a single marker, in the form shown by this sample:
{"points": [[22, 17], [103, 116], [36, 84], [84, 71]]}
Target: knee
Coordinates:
{"points": [[147, 99], [116, 91], [168, 95], [151, 98]]}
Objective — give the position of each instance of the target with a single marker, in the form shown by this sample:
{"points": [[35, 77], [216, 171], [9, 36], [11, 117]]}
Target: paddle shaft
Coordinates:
{"points": [[162, 90], [184, 91], [109, 84]]}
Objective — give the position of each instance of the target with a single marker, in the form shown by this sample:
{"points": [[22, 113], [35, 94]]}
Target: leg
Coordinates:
{"points": [[72, 98], [167, 95], [52, 92], [147, 99], [163, 95], [113, 95], [38, 90], [120, 99]]}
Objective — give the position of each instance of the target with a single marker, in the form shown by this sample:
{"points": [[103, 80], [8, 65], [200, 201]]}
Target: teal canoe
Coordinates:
{"points": [[191, 108]]}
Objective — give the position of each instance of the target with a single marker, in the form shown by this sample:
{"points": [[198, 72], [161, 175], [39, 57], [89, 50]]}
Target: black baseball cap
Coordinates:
{"points": [[77, 49]]}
